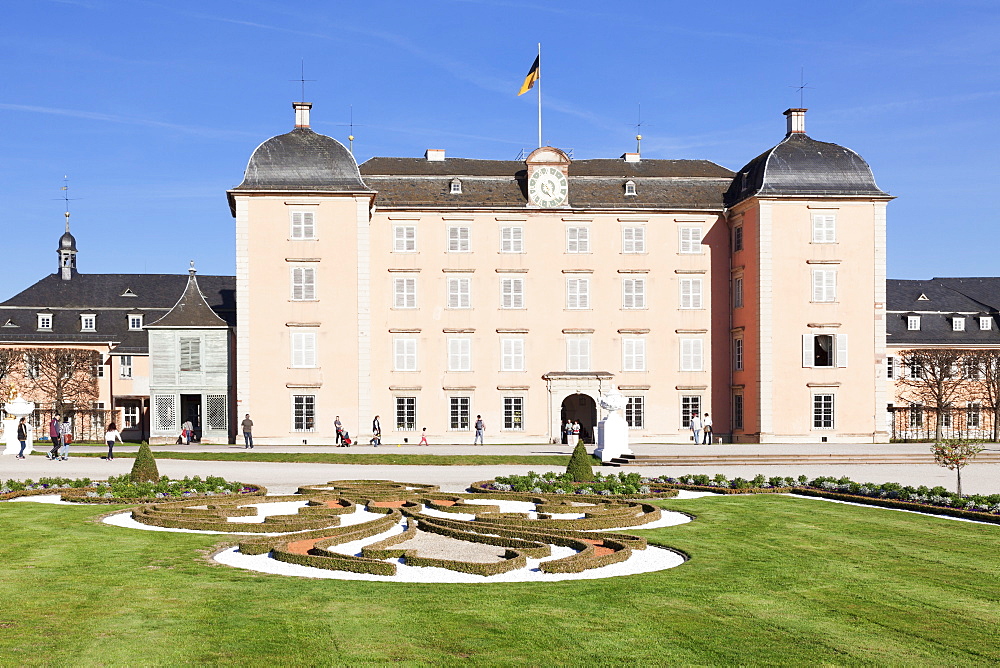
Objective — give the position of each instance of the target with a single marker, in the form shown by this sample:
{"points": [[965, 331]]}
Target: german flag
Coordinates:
{"points": [[529, 81]]}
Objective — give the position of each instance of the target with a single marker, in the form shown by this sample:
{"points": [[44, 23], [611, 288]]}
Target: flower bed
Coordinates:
{"points": [[121, 489], [624, 485]]}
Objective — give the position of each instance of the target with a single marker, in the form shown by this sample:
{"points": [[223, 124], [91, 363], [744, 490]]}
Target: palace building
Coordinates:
{"points": [[429, 291]]}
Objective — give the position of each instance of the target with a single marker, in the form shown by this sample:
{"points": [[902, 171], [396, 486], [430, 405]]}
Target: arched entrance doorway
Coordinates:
{"points": [[580, 408]]}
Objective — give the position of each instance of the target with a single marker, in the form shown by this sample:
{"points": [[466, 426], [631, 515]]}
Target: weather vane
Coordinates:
{"points": [[801, 87], [302, 79], [350, 137], [66, 198], [638, 131]]}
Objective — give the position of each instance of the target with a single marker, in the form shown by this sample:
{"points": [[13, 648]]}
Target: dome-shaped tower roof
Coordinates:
{"points": [[800, 165], [67, 241], [302, 160]]}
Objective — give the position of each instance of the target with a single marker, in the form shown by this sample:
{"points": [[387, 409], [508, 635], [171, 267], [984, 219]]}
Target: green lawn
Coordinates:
{"points": [[772, 580], [344, 458]]}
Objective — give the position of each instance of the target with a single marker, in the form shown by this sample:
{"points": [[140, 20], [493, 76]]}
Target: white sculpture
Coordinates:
{"points": [[612, 431], [16, 408]]}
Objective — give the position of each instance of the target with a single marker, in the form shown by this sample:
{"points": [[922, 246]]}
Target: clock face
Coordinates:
{"points": [[547, 187]]}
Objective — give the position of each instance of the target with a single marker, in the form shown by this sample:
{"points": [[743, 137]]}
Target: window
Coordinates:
{"points": [[633, 239], [513, 413], [130, 415], [630, 188], [135, 322], [45, 321], [459, 354], [459, 411], [633, 293], [972, 413], [405, 354], [88, 322], [633, 354], [738, 354], [303, 224], [890, 367], [913, 322], [916, 415], [914, 369], [303, 283], [512, 354], [738, 292], [635, 412], [459, 293], [511, 293], [738, 240], [690, 293], [511, 239], [958, 324], [190, 353], [972, 370], [31, 366], [737, 411], [946, 413], [577, 239], [578, 354], [822, 411], [303, 350], [125, 366], [985, 323], [824, 350], [824, 228], [304, 412], [689, 240], [98, 369], [691, 355], [824, 285], [404, 238], [216, 408], [456, 187], [690, 406], [459, 238], [406, 413], [405, 292], [578, 293]]}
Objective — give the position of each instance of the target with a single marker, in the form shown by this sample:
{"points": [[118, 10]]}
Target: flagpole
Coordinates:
{"points": [[539, 95]]}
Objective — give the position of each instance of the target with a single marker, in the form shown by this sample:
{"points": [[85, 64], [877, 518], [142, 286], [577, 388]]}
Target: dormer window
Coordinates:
{"points": [[88, 322], [985, 323], [630, 188], [958, 324], [135, 322], [456, 187], [45, 321], [913, 323]]}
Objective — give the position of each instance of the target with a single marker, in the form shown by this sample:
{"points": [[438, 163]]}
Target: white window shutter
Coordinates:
{"points": [[695, 293], [639, 240], [584, 293], [807, 351], [841, 349], [817, 286], [830, 285]]}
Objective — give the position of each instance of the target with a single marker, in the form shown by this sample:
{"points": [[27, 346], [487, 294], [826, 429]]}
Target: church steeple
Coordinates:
{"points": [[67, 253]]}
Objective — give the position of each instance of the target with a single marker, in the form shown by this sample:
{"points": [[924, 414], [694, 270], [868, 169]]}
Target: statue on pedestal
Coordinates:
{"points": [[612, 431]]}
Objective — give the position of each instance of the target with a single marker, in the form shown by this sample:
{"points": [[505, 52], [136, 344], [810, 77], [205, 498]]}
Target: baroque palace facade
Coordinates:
{"points": [[429, 291]]}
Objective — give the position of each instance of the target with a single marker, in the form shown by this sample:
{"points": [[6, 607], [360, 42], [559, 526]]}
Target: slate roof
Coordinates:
{"points": [[946, 298], [800, 165], [302, 160], [191, 310], [660, 184], [152, 295]]}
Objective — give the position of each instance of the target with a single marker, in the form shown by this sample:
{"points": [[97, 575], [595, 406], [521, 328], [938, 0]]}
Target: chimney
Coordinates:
{"points": [[301, 113], [434, 155], [796, 121], [630, 157]]}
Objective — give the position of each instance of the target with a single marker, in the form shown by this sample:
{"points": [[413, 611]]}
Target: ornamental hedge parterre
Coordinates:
{"points": [[121, 489]]}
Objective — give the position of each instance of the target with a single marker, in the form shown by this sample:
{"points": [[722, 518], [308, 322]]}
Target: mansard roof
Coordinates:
{"points": [[938, 301]]}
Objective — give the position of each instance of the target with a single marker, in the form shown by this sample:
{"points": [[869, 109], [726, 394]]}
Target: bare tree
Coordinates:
{"points": [[933, 377], [984, 383], [9, 362], [64, 377]]}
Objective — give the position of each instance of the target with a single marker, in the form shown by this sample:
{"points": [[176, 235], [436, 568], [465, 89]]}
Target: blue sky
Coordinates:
{"points": [[153, 108]]}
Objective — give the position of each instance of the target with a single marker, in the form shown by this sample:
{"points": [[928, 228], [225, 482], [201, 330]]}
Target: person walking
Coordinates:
{"points": [[339, 426], [188, 431], [55, 435], [111, 434], [247, 427], [696, 426], [480, 431], [376, 432], [423, 437], [66, 432], [22, 436], [706, 427]]}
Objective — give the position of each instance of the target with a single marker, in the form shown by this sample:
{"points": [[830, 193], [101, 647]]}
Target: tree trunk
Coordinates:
{"points": [[959, 472], [938, 412], [996, 422]]}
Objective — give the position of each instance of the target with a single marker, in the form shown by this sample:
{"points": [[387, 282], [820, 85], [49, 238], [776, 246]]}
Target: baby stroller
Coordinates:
{"points": [[345, 441]]}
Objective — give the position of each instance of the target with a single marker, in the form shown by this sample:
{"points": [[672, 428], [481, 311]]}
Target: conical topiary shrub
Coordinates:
{"points": [[579, 464], [144, 467]]}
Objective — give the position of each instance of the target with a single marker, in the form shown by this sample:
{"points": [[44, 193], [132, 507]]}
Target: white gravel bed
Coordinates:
{"points": [[43, 498], [267, 510]]}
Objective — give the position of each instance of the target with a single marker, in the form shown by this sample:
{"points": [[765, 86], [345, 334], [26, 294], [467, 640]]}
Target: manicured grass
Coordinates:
{"points": [[772, 580], [344, 458]]}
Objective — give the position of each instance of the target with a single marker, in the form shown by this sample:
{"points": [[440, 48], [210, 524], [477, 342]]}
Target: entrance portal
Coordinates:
{"points": [[191, 412], [580, 408]]}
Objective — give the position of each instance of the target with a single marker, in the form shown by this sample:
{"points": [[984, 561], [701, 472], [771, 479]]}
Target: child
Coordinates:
{"points": [[423, 437]]}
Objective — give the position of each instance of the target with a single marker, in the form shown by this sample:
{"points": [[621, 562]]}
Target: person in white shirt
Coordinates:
{"points": [[110, 436], [696, 426]]}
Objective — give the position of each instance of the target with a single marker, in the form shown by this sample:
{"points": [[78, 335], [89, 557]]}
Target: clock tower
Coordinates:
{"points": [[548, 185]]}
